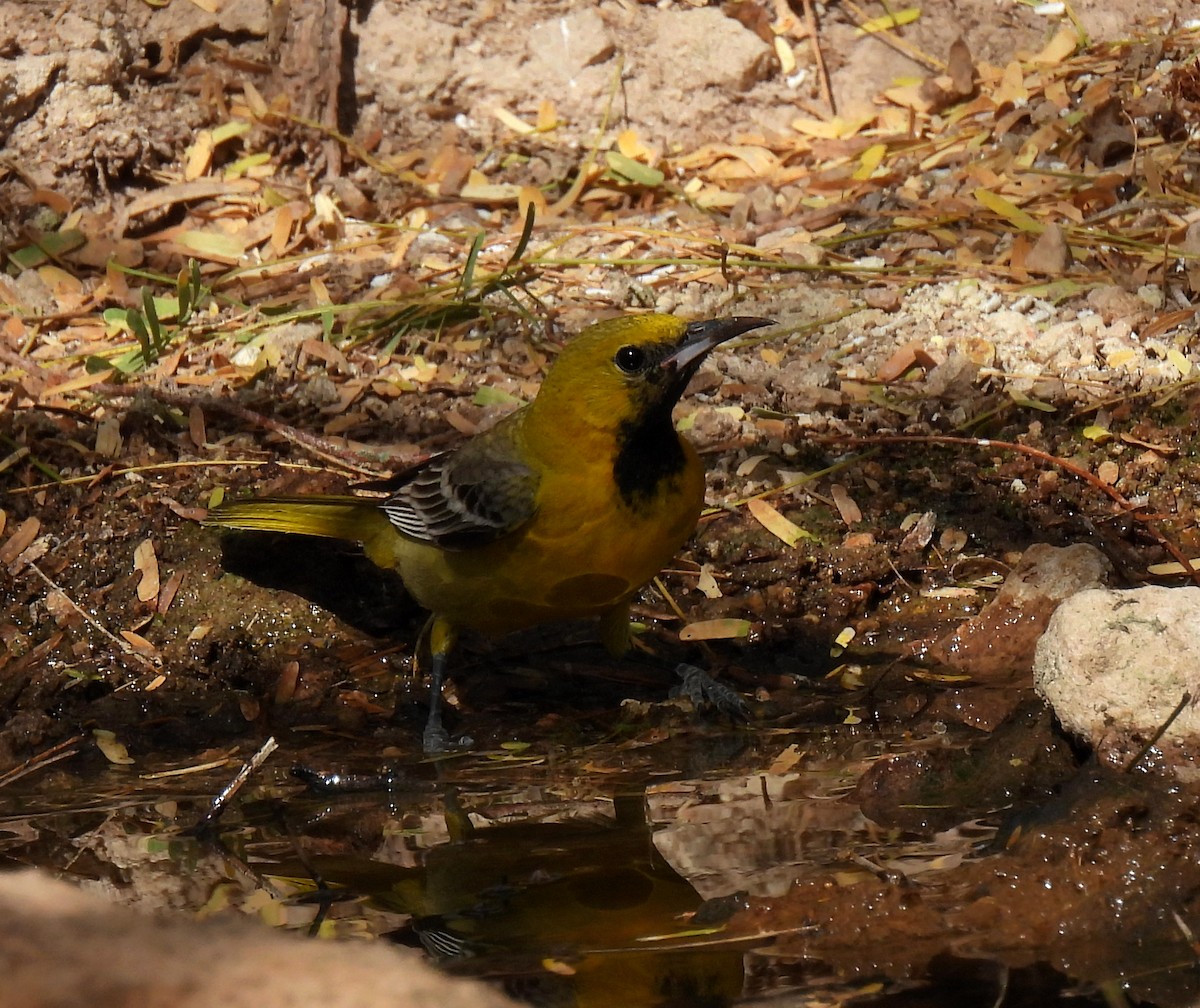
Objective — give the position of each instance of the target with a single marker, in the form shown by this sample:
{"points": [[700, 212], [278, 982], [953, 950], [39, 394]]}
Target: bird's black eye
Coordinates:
{"points": [[630, 359]]}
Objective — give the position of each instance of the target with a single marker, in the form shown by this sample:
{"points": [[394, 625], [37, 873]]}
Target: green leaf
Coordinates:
{"points": [[128, 362], [1027, 403], [137, 325], [1008, 210], [154, 326], [523, 241], [213, 245], [229, 130], [886, 22], [238, 168], [116, 320], [47, 247], [489, 395], [468, 273], [633, 171], [167, 307]]}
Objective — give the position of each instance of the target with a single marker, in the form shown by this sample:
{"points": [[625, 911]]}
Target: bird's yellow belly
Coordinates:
{"points": [[577, 562]]}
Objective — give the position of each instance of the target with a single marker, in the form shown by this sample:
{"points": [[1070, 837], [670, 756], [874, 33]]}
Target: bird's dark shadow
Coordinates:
{"points": [[326, 572]]}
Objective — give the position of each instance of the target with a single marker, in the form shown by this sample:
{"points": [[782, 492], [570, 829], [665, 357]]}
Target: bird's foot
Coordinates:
{"points": [[704, 691], [436, 741]]}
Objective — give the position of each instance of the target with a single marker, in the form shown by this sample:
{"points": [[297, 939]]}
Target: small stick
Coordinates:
{"points": [[1160, 732], [61, 751], [220, 802], [898, 42], [814, 37], [319, 447], [95, 624], [1078, 471]]}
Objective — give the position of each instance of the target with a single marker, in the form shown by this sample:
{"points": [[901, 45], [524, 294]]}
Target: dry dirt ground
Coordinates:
{"points": [[365, 292]]}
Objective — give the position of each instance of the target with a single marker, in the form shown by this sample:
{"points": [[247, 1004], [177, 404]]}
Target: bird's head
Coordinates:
{"points": [[623, 370]]}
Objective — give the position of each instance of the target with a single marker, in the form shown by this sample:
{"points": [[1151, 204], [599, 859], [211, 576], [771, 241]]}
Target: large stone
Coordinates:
{"points": [[1115, 666], [63, 946]]}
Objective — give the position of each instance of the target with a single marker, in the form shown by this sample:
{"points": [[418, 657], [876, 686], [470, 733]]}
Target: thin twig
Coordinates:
{"points": [[320, 447], [158, 466], [897, 42], [227, 794], [814, 40], [1077, 471], [1160, 731], [63, 750], [123, 646]]}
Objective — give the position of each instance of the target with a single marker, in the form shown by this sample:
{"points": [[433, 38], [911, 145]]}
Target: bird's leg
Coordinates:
{"points": [[698, 686], [614, 629], [441, 641]]}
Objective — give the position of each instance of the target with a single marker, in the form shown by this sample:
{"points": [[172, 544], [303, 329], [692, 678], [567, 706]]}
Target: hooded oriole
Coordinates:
{"points": [[563, 509]]}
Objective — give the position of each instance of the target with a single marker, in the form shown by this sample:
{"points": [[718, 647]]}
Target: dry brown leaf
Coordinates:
{"points": [[1011, 89], [921, 528], [706, 583], [199, 156], [960, 68], [167, 367], [139, 644], [460, 423], [189, 192], [20, 540], [1165, 323], [59, 606], [904, 360], [146, 563], [1064, 43], [1159, 449], [847, 509], [285, 685], [188, 513], [112, 750], [169, 591], [1049, 255], [281, 228], [786, 761], [196, 430]]}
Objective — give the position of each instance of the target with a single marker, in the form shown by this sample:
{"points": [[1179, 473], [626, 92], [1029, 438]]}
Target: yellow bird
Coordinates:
{"points": [[562, 510]]}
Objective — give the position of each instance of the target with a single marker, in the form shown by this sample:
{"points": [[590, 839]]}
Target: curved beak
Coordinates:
{"points": [[700, 337]]}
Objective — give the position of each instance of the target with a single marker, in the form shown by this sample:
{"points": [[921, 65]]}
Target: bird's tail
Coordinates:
{"points": [[349, 518]]}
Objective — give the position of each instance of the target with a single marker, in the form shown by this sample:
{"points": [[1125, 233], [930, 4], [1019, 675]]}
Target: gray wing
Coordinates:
{"points": [[469, 497]]}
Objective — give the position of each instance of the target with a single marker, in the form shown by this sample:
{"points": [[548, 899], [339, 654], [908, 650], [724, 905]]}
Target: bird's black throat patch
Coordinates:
{"points": [[648, 452]]}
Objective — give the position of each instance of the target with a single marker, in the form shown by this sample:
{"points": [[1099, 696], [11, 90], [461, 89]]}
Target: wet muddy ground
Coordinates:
{"points": [[898, 821]]}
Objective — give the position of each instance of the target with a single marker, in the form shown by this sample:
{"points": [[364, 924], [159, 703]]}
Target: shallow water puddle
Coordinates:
{"points": [[760, 880]]}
